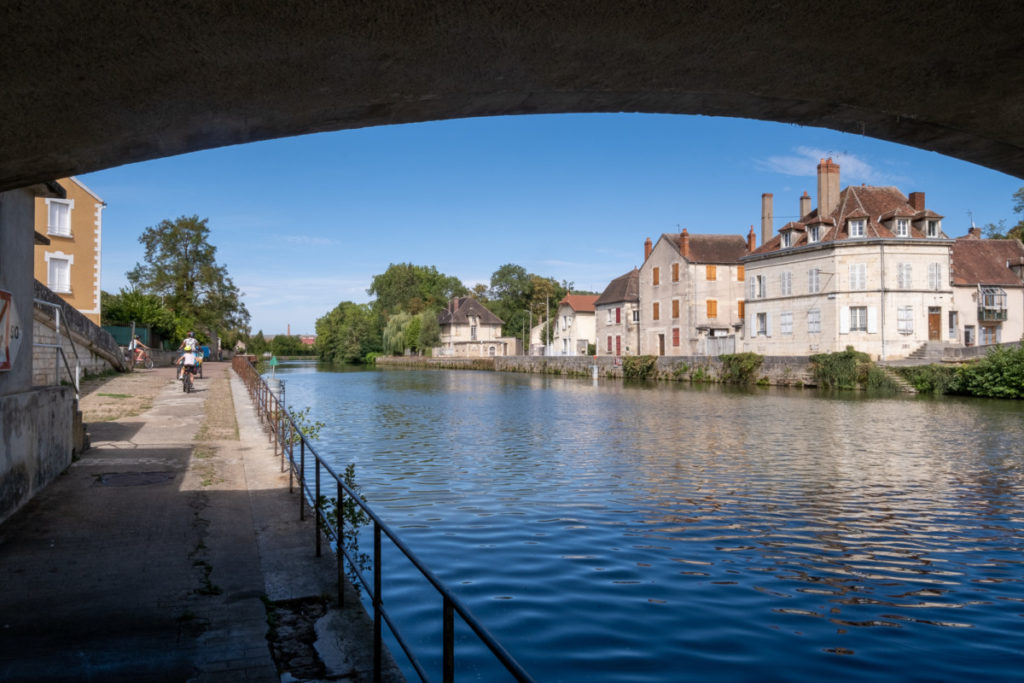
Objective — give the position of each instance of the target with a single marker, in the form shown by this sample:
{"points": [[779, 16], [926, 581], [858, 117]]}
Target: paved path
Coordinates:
{"points": [[151, 557]]}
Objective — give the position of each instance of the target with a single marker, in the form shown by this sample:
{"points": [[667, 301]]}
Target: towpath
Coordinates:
{"points": [[164, 552]]}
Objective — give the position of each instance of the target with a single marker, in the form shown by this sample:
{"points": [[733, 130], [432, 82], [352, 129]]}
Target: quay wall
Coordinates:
{"points": [[774, 370]]}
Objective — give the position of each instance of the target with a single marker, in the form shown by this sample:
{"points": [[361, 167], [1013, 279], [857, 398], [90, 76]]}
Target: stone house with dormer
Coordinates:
{"points": [[691, 294], [868, 268], [469, 330], [617, 316]]}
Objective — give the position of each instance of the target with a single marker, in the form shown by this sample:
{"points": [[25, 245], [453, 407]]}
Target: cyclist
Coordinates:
{"points": [[139, 351], [189, 342], [187, 361]]}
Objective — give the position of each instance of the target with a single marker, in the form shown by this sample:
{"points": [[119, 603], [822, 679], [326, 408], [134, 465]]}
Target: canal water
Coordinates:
{"points": [[632, 532]]}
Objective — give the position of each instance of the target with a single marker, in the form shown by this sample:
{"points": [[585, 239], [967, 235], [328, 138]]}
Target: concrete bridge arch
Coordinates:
{"points": [[94, 85]]}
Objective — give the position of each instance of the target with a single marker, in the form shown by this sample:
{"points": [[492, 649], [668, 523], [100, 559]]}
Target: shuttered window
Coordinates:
{"points": [[712, 273], [739, 273], [712, 308], [675, 308], [675, 272], [675, 336], [741, 306], [655, 311], [656, 276]]}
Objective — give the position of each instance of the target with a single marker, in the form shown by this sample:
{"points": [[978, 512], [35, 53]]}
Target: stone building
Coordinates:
{"points": [[469, 330], [691, 294], [988, 290], [868, 268], [617, 316], [574, 329]]}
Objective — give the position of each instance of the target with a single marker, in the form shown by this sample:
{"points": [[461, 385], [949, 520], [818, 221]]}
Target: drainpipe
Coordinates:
{"points": [[881, 316]]}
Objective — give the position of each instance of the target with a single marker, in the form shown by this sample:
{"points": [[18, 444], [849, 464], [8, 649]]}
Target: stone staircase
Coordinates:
{"points": [[929, 352], [905, 386]]}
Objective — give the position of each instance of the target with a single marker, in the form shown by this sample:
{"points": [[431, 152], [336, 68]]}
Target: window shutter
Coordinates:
{"points": [[750, 289], [844, 320], [656, 276], [767, 324], [739, 273], [872, 320], [752, 331], [740, 304]]}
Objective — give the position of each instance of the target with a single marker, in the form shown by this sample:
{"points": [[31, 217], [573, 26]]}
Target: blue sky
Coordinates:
{"points": [[304, 223]]}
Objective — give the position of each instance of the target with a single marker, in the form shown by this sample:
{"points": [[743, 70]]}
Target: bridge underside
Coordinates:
{"points": [[93, 85]]}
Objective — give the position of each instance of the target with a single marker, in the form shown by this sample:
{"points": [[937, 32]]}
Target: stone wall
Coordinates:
{"points": [[84, 342], [36, 434], [777, 370]]}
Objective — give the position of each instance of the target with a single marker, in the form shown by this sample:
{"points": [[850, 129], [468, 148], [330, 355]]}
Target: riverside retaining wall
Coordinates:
{"points": [[774, 370]]}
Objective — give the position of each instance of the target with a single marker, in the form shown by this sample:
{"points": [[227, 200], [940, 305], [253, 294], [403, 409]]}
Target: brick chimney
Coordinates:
{"points": [[805, 204], [751, 240], [974, 233], [647, 248], [828, 187], [917, 200], [766, 218], [684, 244]]}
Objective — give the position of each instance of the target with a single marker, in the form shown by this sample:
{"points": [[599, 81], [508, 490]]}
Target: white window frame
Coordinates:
{"points": [[52, 205], [857, 227], [813, 234], [814, 321], [858, 318], [858, 276], [904, 276], [905, 320], [935, 276], [787, 239], [51, 260], [762, 325], [903, 227], [786, 323], [932, 227], [814, 280]]}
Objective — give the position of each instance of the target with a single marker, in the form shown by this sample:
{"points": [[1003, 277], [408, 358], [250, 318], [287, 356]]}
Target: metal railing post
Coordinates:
{"points": [[316, 503], [378, 643], [448, 642], [339, 511], [302, 479]]}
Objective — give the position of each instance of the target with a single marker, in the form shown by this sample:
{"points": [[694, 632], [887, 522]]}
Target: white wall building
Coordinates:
{"points": [[617, 316], [988, 290], [469, 330], [574, 325]]}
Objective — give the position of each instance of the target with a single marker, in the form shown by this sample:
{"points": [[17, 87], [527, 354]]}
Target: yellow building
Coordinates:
{"points": [[70, 264]]}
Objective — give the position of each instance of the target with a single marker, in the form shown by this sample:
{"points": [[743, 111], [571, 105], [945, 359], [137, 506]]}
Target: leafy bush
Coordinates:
{"points": [[929, 379], [1000, 374], [740, 368], [638, 367], [371, 358], [839, 370], [873, 377]]}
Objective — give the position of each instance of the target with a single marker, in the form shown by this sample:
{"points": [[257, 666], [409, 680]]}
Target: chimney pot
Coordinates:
{"points": [[684, 244], [828, 187], [805, 204], [751, 240], [917, 200], [647, 248]]}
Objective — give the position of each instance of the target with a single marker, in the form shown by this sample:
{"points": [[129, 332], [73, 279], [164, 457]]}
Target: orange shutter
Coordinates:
{"points": [[675, 272], [712, 308], [655, 311], [675, 308], [656, 275], [741, 303], [739, 273], [712, 272]]}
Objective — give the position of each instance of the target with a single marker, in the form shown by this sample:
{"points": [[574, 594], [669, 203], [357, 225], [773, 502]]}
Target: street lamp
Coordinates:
{"points": [[529, 333]]}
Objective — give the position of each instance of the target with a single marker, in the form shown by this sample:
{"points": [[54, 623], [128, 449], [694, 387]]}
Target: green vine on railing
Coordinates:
{"points": [[353, 517]]}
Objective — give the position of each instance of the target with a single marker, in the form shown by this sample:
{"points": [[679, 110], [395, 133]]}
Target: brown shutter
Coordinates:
{"points": [[656, 275]]}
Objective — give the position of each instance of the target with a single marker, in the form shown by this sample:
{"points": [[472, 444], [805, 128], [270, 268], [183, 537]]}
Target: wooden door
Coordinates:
{"points": [[934, 323]]}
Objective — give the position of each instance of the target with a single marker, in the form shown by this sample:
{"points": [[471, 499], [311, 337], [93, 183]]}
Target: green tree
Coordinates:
{"points": [[430, 330], [284, 345], [348, 333], [413, 289], [394, 333], [1000, 231], [145, 310], [180, 267], [256, 343]]}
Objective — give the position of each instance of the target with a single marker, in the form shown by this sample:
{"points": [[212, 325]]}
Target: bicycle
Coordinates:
{"points": [[186, 380], [144, 358]]}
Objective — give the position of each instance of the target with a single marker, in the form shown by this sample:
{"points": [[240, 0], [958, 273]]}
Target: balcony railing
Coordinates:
{"points": [[991, 314]]}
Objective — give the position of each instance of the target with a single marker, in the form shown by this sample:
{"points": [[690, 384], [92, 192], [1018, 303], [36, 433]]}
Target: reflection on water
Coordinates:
{"points": [[629, 532]]}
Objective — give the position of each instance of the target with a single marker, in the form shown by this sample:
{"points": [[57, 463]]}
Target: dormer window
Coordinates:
{"points": [[813, 233], [933, 228], [903, 227], [787, 239], [856, 227]]}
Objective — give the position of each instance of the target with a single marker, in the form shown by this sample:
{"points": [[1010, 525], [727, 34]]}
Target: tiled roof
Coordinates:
{"points": [[623, 288], [581, 303], [872, 203], [711, 248], [459, 310], [983, 262]]}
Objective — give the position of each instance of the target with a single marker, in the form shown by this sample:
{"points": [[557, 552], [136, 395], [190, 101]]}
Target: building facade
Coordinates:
{"points": [[70, 264], [691, 290], [469, 330], [575, 328], [869, 268], [988, 290], [617, 316]]}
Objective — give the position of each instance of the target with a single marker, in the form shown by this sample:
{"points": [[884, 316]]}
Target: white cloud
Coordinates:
{"points": [[804, 162]]}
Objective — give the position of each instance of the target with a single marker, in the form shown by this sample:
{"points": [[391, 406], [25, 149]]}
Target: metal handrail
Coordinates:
{"points": [[59, 346], [286, 435]]}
